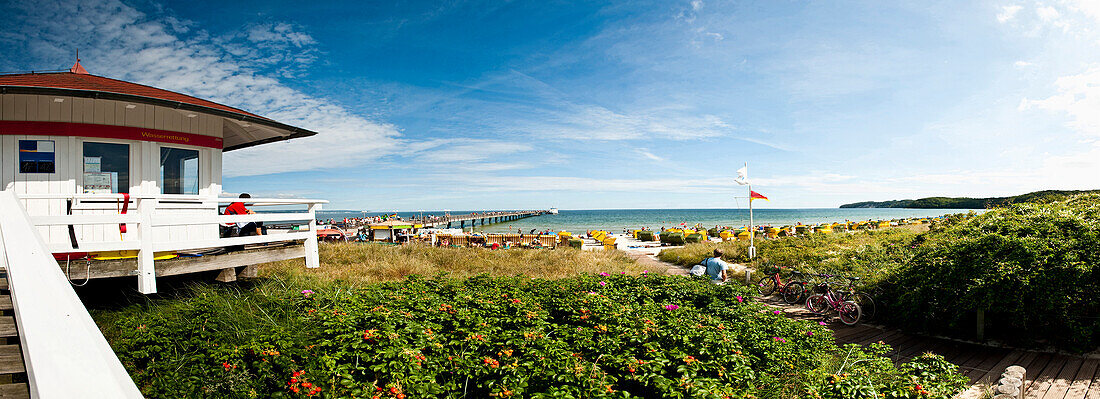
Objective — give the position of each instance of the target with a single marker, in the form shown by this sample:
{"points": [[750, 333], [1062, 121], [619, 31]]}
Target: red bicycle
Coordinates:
{"points": [[791, 291], [830, 299]]}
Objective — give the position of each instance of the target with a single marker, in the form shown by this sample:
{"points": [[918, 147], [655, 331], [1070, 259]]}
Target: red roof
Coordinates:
{"points": [[84, 81]]}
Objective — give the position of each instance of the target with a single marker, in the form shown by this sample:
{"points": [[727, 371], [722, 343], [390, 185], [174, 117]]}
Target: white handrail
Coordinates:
{"points": [[177, 197], [64, 351], [146, 217]]}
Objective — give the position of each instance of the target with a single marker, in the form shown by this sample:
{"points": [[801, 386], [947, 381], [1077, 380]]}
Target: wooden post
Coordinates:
{"points": [[748, 276], [147, 277], [981, 325], [312, 257]]}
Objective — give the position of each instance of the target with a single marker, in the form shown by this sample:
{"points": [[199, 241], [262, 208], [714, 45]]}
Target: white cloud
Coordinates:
{"points": [[119, 41], [1022, 64], [593, 122], [279, 34], [1078, 97], [1008, 13], [696, 5], [1047, 14], [448, 151], [645, 153]]}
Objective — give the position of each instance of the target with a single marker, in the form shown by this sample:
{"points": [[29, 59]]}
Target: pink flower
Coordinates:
{"points": [[740, 299], [603, 283], [778, 339], [810, 333], [622, 273], [591, 292], [777, 312], [672, 307], [604, 274], [645, 271], [307, 292], [822, 323]]}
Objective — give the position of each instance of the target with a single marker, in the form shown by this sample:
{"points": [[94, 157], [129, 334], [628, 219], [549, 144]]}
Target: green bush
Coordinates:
{"points": [[1033, 268], [613, 336]]}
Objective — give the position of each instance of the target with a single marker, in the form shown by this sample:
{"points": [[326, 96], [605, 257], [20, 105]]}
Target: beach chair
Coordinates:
{"points": [[459, 241]]}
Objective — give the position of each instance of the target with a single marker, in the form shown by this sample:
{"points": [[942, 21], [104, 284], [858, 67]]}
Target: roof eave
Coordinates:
{"points": [[295, 132]]}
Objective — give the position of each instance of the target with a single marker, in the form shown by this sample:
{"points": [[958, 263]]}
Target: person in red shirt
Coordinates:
{"points": [[238, 208]]}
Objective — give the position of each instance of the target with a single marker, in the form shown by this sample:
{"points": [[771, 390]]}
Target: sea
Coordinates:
{"points": [[616, 220]]}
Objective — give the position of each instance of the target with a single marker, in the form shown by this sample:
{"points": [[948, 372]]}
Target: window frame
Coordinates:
{"points": [[199, 179], [135, 175]]}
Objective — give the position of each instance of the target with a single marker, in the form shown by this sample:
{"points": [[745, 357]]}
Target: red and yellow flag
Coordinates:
{"points": [[754, 195]]}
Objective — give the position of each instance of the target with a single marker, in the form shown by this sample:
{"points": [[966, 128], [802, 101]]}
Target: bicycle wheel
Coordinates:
{"points": [[817, 304], [766, 286], [866, 304], [792, 293], [849, 313]]}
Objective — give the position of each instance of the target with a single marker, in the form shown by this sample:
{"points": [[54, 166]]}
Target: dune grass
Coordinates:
{"points": [[866, 254], [368, 263]]}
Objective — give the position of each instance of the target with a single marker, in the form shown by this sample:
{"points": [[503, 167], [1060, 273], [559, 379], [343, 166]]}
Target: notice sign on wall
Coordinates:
{"points": [[93, 164], [100, 182], [36, 156]]}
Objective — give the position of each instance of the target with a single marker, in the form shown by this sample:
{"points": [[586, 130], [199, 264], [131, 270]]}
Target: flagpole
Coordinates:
{"points": [[752, 232]]}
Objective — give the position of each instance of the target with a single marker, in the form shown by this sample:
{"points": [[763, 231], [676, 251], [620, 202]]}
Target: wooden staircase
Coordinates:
{"points": [[13, 372]]}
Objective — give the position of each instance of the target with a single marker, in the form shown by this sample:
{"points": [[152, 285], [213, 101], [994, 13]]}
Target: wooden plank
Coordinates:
{"points": [[1080, 386], [14, 391], [128, 267], [983, 358], [1094, 388], [884, 336], [1060, 385], [7, 327], [11, 362], [990, 364], [1045, 376], [5, 302], [995, 371]]}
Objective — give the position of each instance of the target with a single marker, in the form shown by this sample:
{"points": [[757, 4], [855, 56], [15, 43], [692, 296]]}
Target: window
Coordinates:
{"points": [[36, 156], [179, 171], [106, 168]]}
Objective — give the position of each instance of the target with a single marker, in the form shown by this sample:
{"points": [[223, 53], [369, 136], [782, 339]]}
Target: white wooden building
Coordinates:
{"points": [[95, 168], [84, 153]]}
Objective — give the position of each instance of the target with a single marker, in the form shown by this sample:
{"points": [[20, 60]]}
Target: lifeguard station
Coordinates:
{"points": [[97, 168]]}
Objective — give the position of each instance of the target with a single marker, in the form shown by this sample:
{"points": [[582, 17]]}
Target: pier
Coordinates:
{"points": [[450, 221]]}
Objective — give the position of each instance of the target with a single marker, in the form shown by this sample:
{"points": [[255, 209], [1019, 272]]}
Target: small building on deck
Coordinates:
{"points": [[118, 179]]}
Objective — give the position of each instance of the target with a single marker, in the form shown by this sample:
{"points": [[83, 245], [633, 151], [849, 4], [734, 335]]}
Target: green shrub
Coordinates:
{"points": [[1033, 268], [591, 336]]}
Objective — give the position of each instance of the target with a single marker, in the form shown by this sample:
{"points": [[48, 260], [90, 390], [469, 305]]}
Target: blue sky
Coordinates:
{"points": [[589, 105]]}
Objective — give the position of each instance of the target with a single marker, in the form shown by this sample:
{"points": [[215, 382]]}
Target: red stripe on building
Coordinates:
{"points": [[28, 128]]}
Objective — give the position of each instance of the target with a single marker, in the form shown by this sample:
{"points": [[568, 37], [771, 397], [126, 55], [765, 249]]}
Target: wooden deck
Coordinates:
{"points": [[79, 270], [1049, 375], [13, 372]]}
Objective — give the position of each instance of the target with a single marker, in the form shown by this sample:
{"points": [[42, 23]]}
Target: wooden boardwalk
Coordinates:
{"points": [[13, 372], [1049, 375]]}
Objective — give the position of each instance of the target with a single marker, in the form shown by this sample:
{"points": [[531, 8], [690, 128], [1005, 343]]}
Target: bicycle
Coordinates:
{"points": [[795, 289], [791, 291], [849, 312], [865, 301]]}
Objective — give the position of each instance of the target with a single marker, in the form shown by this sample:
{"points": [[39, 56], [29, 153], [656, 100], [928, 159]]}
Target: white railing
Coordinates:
{"points": [[145, 218], [64, 352]]}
